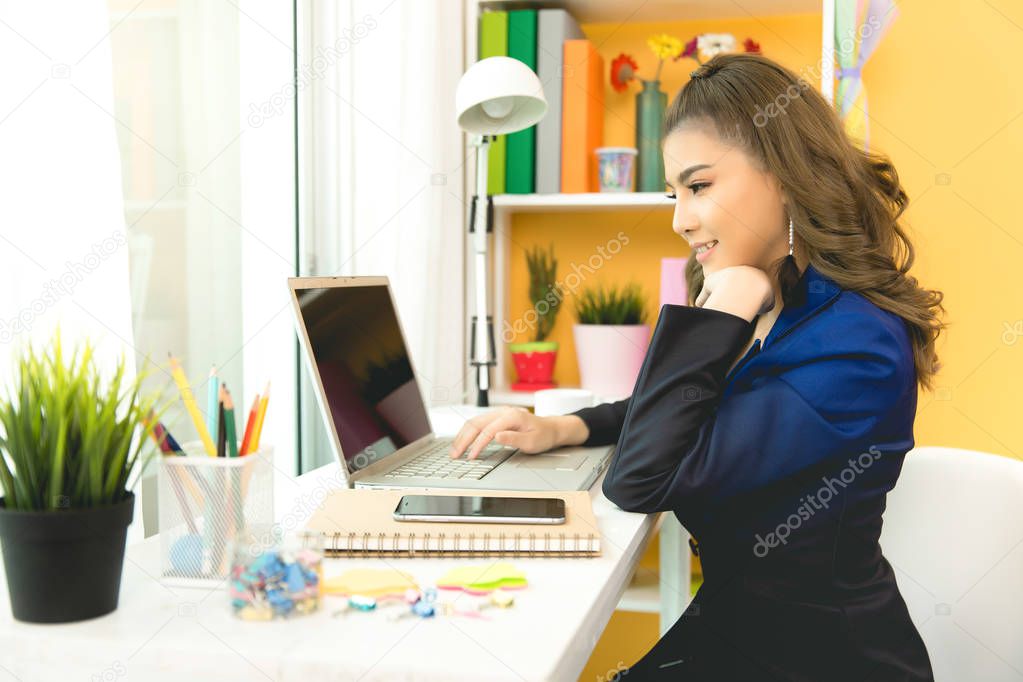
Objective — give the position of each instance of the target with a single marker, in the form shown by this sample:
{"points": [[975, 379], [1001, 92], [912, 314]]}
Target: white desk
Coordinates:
{"points": [[173, 633]]}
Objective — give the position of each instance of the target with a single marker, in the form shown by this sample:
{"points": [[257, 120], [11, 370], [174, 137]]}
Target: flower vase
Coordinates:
{"points": [[650, 106]]}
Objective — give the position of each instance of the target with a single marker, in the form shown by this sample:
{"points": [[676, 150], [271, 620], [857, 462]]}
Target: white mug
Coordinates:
{"points": [[552, 401]]}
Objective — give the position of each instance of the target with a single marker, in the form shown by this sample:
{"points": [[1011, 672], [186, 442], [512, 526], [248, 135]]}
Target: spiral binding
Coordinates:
{"points": [[358, 545]]}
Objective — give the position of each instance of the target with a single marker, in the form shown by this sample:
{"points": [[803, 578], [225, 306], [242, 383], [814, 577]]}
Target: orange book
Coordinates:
{"points": [[582, 116]]}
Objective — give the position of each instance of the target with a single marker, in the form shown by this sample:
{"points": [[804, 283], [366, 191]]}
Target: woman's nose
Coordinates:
{"points": [[683, 221]]}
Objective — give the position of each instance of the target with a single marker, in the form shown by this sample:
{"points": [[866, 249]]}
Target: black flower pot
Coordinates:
{"points": [[65, 565]]}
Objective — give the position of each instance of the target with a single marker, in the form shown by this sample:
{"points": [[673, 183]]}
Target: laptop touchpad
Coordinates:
{"points": [[562, 461]]}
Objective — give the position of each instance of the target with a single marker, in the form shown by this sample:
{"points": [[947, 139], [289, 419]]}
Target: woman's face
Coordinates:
{"points": [[722, 197]]}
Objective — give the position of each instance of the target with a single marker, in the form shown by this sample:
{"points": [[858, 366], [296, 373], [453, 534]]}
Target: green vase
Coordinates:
{"points": [[650, 106]]}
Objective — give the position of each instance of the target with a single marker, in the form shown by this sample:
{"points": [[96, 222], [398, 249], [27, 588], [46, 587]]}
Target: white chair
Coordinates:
{"points": [[953, 531]]}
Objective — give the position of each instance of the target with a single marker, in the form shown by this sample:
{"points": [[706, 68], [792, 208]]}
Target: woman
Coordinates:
{"points": [[772, 415]]}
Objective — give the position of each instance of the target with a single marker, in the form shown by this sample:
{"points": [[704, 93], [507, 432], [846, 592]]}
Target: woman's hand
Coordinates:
{"points": [[513, 426], [741, 290]]}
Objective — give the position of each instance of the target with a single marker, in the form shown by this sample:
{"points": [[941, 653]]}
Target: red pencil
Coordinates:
{"points": [[248, 426]]}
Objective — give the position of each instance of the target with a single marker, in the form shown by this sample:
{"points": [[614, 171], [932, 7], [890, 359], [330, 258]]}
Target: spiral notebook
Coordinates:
{"points": [[359, 522]]}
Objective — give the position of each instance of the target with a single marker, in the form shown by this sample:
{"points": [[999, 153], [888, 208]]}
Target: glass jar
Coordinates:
{"points": [[275, 577]]}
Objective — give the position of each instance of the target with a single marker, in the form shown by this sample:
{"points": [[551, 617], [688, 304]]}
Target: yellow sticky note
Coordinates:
{"points": [[370, 582]]}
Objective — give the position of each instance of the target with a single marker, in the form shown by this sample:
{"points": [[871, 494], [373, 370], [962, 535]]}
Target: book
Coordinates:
{"points": [[521, 145], [493, 42], [582, 120], [359, 522], [553, 28]]}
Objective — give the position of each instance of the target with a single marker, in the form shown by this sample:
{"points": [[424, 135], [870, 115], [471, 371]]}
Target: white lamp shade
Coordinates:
{"points": [[497, 96]]}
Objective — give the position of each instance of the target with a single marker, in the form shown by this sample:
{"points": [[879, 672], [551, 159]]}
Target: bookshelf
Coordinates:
{"points": [[606, 201], [668, 593]]}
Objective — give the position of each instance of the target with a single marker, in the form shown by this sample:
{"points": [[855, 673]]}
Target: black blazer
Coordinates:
{"points": [[779, 469]]}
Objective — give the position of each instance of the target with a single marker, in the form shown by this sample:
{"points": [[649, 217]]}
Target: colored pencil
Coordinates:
{"points": [[229, 425], [162, 438], [213, 403], [257, 430], [191, 407], [249, 423], [221, 431]]}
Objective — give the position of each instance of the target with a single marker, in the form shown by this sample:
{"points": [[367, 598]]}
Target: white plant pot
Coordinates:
{"points": [[610, 356]]}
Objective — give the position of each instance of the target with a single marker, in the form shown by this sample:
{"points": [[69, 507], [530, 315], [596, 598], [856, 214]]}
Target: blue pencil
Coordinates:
{"points": [[213, 403]]}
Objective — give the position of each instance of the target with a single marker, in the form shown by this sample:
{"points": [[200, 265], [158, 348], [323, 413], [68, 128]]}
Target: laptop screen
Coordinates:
{"points": [[370, 390]]}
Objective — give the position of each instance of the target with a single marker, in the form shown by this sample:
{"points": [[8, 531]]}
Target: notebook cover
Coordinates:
{"points": [[582, 123], [554, 27], [493, 42], [521, 145], [360, 520]]}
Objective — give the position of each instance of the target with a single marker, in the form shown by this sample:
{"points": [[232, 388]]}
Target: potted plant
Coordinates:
{"points": [[69, 442], [611, 338], [534, 360]]}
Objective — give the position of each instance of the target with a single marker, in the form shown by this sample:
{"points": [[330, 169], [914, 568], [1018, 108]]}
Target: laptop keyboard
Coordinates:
{"points": [[437, 463]]}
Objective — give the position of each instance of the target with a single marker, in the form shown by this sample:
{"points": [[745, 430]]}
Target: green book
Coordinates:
{"points": [[494, 43], [521, 152]]}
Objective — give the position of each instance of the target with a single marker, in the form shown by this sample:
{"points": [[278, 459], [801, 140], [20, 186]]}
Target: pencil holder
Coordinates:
{"points": [[207, 503]]}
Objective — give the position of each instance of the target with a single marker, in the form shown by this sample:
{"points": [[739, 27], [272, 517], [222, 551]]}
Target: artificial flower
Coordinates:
{"points": [[689, 51], [623, 70], [713, 44], [665, 46]]}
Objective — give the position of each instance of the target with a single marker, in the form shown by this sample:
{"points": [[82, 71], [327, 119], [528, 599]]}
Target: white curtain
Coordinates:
{"points": [[392, 133], [63, 243]]}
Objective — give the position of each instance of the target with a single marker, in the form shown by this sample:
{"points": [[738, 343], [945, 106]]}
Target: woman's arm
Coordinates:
{"points": [[678, 447], [602, 424]]}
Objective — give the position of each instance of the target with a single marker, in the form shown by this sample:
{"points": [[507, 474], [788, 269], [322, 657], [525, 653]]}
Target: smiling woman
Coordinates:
{"points": [[802, 350], [758, 160]]}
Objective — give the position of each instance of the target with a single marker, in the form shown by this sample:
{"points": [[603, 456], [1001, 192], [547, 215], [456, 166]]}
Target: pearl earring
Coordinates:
{"points": [[790, 236]]}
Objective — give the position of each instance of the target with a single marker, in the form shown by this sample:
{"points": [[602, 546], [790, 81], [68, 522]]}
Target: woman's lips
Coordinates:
{"points": [[700, 257]]}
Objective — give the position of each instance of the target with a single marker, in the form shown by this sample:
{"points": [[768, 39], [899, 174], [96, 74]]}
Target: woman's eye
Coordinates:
{"points": [[697, 186], [671, 195]]}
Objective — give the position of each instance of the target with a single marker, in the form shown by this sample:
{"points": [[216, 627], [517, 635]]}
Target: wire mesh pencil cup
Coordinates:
{"points": [[205, 503]]}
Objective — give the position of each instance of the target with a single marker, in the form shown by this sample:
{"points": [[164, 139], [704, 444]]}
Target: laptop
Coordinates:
{"points": [[372, 403]]}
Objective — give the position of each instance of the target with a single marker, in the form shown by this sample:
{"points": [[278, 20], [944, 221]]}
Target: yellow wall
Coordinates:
{"points": [[944, 106], [794, 40]]}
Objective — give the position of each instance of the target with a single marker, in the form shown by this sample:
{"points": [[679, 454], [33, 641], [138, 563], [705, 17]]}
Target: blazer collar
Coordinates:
{"points": [[812, 292]]}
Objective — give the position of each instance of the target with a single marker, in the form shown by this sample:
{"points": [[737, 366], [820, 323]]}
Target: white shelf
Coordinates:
{"points": [[506, 396], [500, 396], [613, 12], [592, 201]]}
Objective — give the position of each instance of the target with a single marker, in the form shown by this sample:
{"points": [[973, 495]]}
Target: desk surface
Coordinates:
{"points": [[174, 633]]}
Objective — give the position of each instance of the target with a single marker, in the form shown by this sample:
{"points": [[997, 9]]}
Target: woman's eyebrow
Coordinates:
{"points": [[684, 175]]}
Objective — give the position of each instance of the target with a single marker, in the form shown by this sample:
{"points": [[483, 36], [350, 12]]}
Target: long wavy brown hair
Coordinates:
{"points": [[844, 202]]}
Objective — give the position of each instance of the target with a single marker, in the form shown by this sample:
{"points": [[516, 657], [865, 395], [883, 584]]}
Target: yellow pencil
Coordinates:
{"points": [[257, 429], [191, 407]]}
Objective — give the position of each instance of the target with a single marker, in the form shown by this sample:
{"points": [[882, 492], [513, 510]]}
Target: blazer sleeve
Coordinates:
{"points": [[720, 337], [680, 446]]}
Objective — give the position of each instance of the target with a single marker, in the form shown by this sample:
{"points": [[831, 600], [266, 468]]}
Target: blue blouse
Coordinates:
{"points": [[779, 468]]}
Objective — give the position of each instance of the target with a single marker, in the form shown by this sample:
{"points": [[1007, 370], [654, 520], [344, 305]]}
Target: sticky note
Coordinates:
{"points": [[482, 579], [370, 582]]}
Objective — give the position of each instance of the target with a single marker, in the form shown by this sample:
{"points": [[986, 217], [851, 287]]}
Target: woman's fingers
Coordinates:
{"points": [[507, 421], [474, 428]]}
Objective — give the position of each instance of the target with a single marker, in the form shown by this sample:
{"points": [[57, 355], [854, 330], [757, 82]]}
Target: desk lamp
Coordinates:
{"points": [[495, 96]]}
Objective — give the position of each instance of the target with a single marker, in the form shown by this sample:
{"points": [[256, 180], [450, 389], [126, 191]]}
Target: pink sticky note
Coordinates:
{"points": [[673, 281]]}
